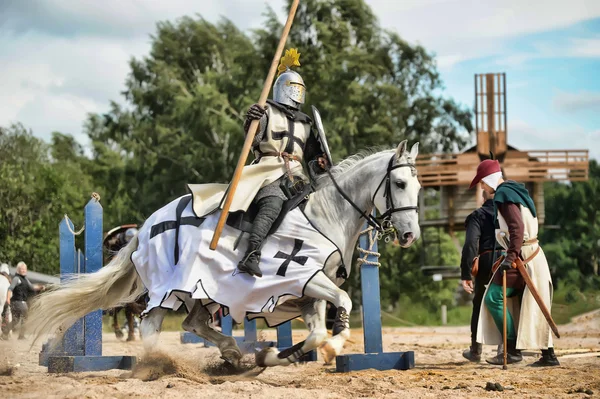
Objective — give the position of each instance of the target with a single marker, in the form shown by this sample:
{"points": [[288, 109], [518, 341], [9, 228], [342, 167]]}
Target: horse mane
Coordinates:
{"points": [[350, 163]]}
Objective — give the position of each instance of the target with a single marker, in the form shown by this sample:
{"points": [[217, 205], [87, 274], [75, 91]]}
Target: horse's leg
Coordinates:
{"points": [[150, 327], [320, 287], [129, 315], [313, 313], [340, 333], [198, 322], [116, 327]]}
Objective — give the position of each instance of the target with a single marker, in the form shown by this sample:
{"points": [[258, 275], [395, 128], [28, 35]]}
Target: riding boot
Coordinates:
{"points": [[548, 359], [513, 355], [269, 209], [473, 354]]}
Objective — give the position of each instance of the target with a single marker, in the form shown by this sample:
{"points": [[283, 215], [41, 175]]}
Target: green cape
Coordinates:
{"points": [[511, 191]]}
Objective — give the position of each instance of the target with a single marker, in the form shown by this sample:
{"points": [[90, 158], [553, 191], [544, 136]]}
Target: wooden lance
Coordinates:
{"points": [[253, 127]]}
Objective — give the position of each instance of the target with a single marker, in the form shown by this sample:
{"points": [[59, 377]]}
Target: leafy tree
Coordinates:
{"points": [[575, 245], [36, 190]]}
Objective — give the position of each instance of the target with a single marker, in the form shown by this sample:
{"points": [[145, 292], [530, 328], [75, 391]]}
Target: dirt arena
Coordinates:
{"points": [[186, 371]]}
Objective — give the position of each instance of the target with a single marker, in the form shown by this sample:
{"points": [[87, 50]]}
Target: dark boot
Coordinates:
{"points": [[473, 354], [250, 262], [268, 211], [548, 359], [513, 355]]}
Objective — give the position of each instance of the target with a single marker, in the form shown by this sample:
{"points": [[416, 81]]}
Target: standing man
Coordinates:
{"points": [[518, 231], [5, 295], [21, 289], [478, 255]]}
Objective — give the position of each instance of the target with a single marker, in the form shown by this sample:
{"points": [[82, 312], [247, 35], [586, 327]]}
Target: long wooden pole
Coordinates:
{"points": [[253, 126], [505, 321]]}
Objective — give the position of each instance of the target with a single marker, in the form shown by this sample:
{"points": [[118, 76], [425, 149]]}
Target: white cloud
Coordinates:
{"points": [[446, 62], [53, 82], [525, 136], [573, 102], [469, 29], [117, 18], [586, 47]]}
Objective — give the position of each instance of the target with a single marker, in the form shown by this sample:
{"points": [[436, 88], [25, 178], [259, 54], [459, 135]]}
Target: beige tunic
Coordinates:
{"points": [[277, 138], [533, 331]]}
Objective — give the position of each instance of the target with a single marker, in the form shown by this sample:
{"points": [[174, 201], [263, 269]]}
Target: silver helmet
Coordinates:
{"points": [[289, 89], [130, 233]]}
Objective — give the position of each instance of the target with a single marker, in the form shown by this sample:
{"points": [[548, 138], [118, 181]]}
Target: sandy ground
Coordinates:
{"points": [[191, 371]]}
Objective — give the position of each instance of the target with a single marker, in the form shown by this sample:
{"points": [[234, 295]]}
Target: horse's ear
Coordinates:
{"points": [[401, 149], [414, 151]]}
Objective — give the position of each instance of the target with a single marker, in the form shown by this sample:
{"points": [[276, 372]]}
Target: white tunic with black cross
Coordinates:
{"points": [[174, 262], [285, 130]]}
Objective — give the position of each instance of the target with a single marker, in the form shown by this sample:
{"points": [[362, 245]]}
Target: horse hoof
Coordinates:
{"points": [[328, 352], [131, 338], [264, 357], [232, 357], [119, 334]]}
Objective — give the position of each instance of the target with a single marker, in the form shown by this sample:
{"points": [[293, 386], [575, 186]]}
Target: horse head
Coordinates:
{"points": [[397, 196]]}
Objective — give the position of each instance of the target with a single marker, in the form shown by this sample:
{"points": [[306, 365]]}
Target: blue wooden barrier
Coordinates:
{"points": [[80, 349], [374, 357]]}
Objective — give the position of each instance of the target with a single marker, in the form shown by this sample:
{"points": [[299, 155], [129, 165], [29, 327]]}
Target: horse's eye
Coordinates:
{"points": [[401, 185]]}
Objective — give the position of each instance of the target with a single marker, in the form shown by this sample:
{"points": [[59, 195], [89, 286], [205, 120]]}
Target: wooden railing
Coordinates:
{"points": [[525, 166]]}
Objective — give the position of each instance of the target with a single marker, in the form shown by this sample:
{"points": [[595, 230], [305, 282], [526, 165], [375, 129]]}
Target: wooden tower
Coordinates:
{"points": [[446, 199]]}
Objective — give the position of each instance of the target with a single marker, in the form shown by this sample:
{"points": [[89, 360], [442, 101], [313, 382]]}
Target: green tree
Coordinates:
{"points": [[38, 185], [573, 250]]}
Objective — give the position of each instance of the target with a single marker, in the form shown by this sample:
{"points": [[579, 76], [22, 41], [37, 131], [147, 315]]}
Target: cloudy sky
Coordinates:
{"points": [[61, 59]]}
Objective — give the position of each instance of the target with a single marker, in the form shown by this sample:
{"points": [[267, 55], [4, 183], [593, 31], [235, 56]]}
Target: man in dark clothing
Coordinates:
{"points": [[526, 325], [21, 289], [480, 244]]}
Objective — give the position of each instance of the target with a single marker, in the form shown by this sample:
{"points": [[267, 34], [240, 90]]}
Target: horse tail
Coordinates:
{"points": [[115, 284]]}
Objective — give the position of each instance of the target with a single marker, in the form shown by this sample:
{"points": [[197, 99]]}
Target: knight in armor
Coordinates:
{"points": [[285, 137]]}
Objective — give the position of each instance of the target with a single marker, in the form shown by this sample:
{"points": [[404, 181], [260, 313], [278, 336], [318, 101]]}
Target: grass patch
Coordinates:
{"points": [[569, 302], [411, 314]]}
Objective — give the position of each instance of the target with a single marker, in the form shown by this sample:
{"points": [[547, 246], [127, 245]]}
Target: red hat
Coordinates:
{"points": [[484, 169]]}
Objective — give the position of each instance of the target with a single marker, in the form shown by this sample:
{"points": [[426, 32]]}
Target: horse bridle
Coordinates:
{"points": [[380, 223]]}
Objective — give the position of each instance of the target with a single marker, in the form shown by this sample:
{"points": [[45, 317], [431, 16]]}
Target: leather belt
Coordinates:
{"points": [[286, 158]]}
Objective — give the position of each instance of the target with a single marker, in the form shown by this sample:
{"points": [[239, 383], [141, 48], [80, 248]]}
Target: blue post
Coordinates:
{"points": [[73, 338], [371, 301], [374, 357], [284, 335], [82, 343], [227, 325], [250, 334], [93, 263]]}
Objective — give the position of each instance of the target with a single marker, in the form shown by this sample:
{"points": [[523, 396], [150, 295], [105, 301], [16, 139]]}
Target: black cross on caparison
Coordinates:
{"points": [[291, 257], [289, 147]]}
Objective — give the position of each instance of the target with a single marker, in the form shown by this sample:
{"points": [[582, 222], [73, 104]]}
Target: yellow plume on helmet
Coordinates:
{"points": [[290, 59]]}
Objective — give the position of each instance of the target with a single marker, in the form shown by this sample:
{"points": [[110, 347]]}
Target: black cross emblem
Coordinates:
{"points": [[289, 147], [291, 258]]}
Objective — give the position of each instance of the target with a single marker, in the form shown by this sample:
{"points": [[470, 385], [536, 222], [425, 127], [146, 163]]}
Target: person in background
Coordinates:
{"points": [[518, 230], [21, 289], [478, 256], [5, 295]]}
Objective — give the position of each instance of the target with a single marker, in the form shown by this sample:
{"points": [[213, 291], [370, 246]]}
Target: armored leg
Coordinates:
{"points": [[268, 210]]}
